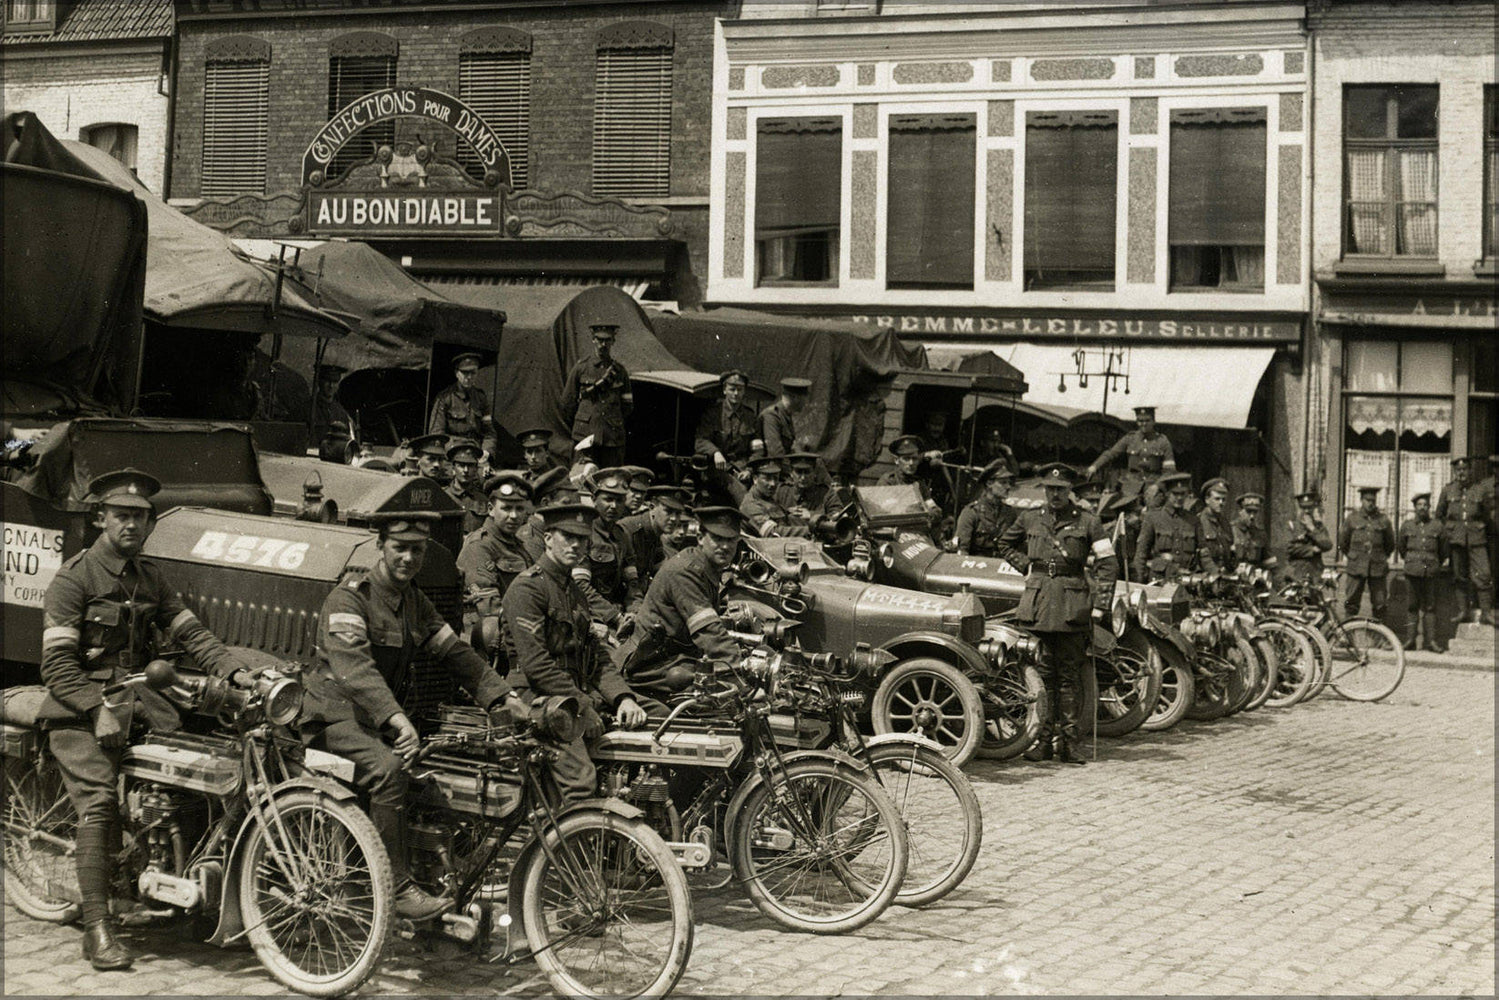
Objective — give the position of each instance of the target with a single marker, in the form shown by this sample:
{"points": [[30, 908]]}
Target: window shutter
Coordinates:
{"points": [[497, 85], [354, 76], [798, 174], [632, 123], [236, 97], [1217, 179], [930, 227], [1071, 187]]}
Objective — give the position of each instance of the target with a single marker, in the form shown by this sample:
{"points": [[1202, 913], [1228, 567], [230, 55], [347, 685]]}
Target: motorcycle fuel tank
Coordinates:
{"points": [[691, 748], [180, 760]]}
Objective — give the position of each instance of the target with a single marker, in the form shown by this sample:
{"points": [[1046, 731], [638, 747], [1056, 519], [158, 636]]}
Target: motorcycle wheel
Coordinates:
{"points": [[39, 828], [944, 823], [821, 850], [1221, 681], [1269, 658], [606, 908], [326, 940], [1296, 661], [1017, 707], [927, 697], [1178, 691], [1128, 687], [1249, 674]]}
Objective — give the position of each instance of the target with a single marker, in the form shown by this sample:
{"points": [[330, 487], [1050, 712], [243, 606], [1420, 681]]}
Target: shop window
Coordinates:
{"points": [[1398, 411], [236, 101], [1216, 222], [1071, 191], [798, 199], [929, 215], [30, 16], [117, 139], [494, 78], [360, 64], [632, 112], [1490, 173], [1390, 171]]}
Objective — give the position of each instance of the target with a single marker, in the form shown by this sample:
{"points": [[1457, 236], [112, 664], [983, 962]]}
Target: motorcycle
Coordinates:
{"points": [[240, 826], [1228, 666]]}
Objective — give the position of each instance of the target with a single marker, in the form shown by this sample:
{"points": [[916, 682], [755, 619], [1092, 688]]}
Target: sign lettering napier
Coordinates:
{"points": [[958, 324]]}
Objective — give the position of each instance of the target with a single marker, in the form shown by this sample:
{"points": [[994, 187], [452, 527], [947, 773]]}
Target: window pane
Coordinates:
{"points": [[1366, 112], [1426, 366], [1371, 366], [632, 123], [1485, 364], [1071, 189], [798, 198], [1416, 233], [930, 219], [235, 128], [1417, 117], [351, 77]]}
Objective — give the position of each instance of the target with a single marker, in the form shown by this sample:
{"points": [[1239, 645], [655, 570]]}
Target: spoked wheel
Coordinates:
{"points": [[316, 894], [41, 873], [944, 824], [1178, 691], [1016, 703], [927, 697], [1126, 680], [1295, 660], [1220, 684], [606, 908], [1249, 673], [1368, 661], [823, 850], [1269, 672]]}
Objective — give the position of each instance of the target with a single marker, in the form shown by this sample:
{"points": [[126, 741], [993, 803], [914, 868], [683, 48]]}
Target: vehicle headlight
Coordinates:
{"points": [[992, 649], [764, 665], [1119, 616], [1139, 603], [283, 702]]}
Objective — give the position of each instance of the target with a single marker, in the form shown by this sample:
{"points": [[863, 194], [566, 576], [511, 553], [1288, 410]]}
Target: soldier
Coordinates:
{"points": [[679, 528], [1422, 544], [1467, 511], [803, 496], [584, 465], [1051, 544], [326, 409], [1309, 539], [985, 519], [596, 398], [638, 480], [778, 420], [1251, 541], [558, 653], [462, 409], [1171, 542], [1122, 514], [934, 432], [494, 555], [1089, 495], [1147, 454], [550, 487], [536, 451], [431, 453], [648, 528], [610, 573], [96, 629], [1366, 540], [465, 489], [914, 467], [679, 622], [1217, 530], [760, 508]]}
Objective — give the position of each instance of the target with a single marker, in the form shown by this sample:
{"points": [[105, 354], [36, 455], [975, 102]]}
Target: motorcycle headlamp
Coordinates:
{"points": [[764, 665], [1119, 616], [282, 700], [557, 717]]}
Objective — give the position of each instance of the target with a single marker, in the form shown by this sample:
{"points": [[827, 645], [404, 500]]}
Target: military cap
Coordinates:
{"points": [[1309, 496], [467, 361], [1119, 502], [1251, 498], [612, 481], [1418, 496], [723, 378], [721, 521], [1089, 488], [671, 497], [429, 444], [1145, 411], [569, 518], [1176, 479], [805, 459], [796, 386], [125, 488], [405, 525], [604, 329], [1461, 462], [906, 444], [1056, 474], [638, 476], [997, 469], [508, 484], [584, 444], [458, 447], [1216, 483], [1369, 489], [547, 483], [766, 464], [327, 370], [537, 437]]}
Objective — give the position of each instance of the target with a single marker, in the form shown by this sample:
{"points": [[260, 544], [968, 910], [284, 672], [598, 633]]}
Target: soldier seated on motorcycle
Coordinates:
{"points": [[370, 629], [97, 623], [494, 555]]}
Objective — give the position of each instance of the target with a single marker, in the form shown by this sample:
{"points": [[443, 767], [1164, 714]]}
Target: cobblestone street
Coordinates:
{"points": [[1330, 848]]}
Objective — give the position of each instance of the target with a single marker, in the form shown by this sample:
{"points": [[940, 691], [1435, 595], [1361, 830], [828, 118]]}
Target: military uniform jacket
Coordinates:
{"points": [[1423, 546], [459, 412], [1366, 541], [1217, 538], [980, 525], [1251, 544], [731, 430], [1053, 547], [817, 499], [1169, 545], [369, 633], [645, 540], [1144, 458], [680, 611], [96, 619], [546, 616], [595, 399], [1308, 544], [609, 575], [474, 503], [777, 430], [770, 519], [1466, 512], [491, 560]]}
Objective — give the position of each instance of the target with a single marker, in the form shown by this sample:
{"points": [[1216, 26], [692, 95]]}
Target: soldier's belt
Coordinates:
{"points": [[1055, 568]]}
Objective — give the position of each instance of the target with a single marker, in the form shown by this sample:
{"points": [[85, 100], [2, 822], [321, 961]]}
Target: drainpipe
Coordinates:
{"points": [[171, 96], [1313, 367]]}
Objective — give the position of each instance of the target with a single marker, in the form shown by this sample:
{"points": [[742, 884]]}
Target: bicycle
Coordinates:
{"points": [[1363, 660]]}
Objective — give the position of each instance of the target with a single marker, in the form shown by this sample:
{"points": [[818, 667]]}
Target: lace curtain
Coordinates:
{"points": [[1414, 202]]}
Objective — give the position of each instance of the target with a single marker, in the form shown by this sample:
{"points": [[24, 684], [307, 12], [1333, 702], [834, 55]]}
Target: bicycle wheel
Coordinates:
{"points": [[1015, 704], [325, 937], [1178, 691], [1296, 661], [40, 870], [822, 849], [944, 823], [1368, 661], [606, 908]]}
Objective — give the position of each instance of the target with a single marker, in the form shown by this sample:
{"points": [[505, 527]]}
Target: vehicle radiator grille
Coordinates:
{"points": [[287, 632]]}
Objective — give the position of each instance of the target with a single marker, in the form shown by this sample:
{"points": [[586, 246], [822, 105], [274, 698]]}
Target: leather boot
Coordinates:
{"points": [[1412, 627], [101, 948], [1041, 749], [413, 903], [1068, 754]]}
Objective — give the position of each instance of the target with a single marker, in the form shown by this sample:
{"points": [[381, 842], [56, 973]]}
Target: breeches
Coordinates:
{"points": [[88, 772]]}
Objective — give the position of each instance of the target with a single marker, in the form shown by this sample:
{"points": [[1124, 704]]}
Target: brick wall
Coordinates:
{"points": [[69, 92]]}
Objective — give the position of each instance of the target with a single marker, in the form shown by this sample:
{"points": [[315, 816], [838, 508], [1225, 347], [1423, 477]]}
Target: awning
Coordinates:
{"points": [[1198, 385]]}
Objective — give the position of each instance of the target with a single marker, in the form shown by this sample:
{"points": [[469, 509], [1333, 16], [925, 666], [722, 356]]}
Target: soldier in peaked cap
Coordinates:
{"points": [[1171, 539], [371, 628], [638, 479], [1422, 544], [985, 518], [431, 453], [912, 466], [462, 409], [466, 489], [803, 495], [762, 512], [778, 420], [610, 574], [326, 410], [558, 652], [1309, 539], [495, 554], [596, 398], [1251, 542], [727, 431], [536, 452], [1217, 529], [649, 528], [1051, 544], [1366, 539], [97, 618], [1466, 509], [1148, 453]]}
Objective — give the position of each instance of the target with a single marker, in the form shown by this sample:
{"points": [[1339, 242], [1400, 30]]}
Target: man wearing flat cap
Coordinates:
{"points": [[466, 490], [462, 409], [986, 517], [97, 618], [762, 512], [727, 431], [536, 452], [1251, 542], [609, 573], [431, 454], [371, 628], [1422, 545], [1217, 529], [596, 398], [1171, 543], [557, 651], [1309, 539], [1365, 541], [1051, 545], [1147, 453], [638, 480], [1466, 509], [778, 420], [494, 555]]}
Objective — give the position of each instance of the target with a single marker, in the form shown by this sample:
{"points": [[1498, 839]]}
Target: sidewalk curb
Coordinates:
{"points": [[1446, 661]]}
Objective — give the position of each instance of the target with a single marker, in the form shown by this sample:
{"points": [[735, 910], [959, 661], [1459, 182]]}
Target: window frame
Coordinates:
{"points": [[1391, 144], [608, 185], [43, 22], [349, 48], [518, 153], [1488, 249], [1250, 113], [836, 250], [262, 60], [1120, 112], [88, 133]]}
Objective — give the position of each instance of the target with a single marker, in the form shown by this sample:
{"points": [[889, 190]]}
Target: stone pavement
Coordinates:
{"points": [[1328, 848]]}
